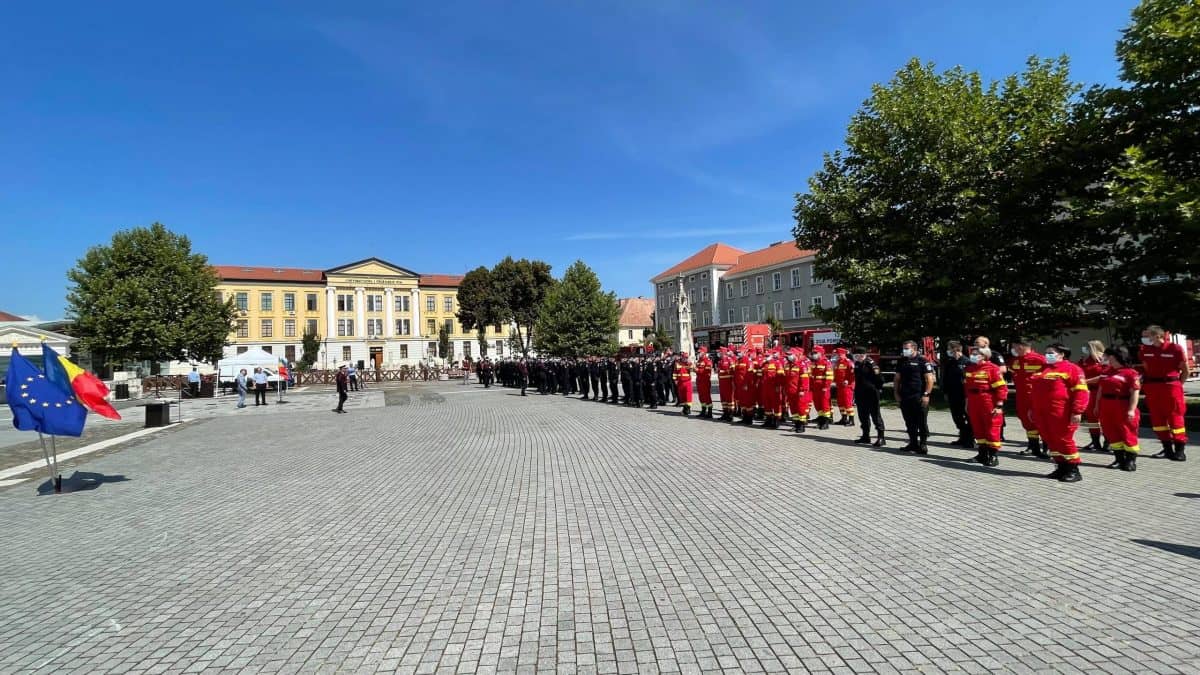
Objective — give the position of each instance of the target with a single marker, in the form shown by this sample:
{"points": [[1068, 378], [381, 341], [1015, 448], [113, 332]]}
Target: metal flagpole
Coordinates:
{"points": [[54, 454], [51, 467]]}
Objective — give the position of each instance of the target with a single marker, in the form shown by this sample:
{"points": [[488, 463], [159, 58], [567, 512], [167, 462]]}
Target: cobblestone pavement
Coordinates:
{"points": [[489, 532]]}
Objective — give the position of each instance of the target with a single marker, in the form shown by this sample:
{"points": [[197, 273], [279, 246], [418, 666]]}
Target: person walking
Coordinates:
{"points": [[342, 381], [194, 383], [260, 387], [1166, 369], [1116, 406], [241, 388], [868, 385], [1060, 395], [913, 384]]}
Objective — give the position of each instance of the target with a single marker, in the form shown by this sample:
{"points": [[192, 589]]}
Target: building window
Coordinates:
{"points": [[745, 287], [431, 326], [704, 276], [374, 327], [729, 316], [265, 301], [310, 302], [692, 279], [704, 318], [760, 312], [267, 328], [815, 303], [758, 286], [812, 274], [243, 301], [310, 327], [704, 294], [746, 314], [289, 328], [374, 303], [289, 302], [243, 328], [797, 309], [674, 300], [467, 348], [431, 348], [404, 351], [448, 303], [449, 324], [345, 302], [838, 298], [401, 303], [795, 277], [691, 296], [345, 327], [242, 350], [661, 286], [403, 326], [776, 281], [430, 303], [345, 353], [499, 347]]}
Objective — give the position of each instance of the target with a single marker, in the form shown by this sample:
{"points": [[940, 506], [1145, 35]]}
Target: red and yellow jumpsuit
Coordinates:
{"points": [[1059, 392], [683, 384], [1164, 392], [1023, 369], [805, 387], [743, 383], [725, 368], [704, 368], [768, 392], [843, 377], [1092, 368], [821, 378], [986, 391], [1116, 386], [756, 364], [791, 390]]}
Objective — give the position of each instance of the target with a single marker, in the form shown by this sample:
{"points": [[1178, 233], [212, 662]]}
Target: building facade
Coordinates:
{"points": [[637, 315], [775, 281], [371, 311], [699, 275]]}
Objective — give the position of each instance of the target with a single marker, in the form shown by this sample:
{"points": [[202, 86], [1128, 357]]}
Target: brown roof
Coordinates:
{"points": [[636, 312], [288, 274], [446, 280], [5, 316], [713, 254], [775, 254]]}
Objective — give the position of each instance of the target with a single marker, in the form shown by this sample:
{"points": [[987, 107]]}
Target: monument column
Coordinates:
{"points": [[330, 312], [416, 314], [361, 312], [388, 302]]}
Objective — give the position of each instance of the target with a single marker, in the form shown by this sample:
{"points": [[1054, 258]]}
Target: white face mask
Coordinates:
{"points": [[907, 352], [1147, 341], [976, 358], [1085, 350], [1014, 352], [1051, 357]]}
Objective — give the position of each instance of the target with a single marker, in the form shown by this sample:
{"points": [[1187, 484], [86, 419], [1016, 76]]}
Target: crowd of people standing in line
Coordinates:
{"points": [[1055, 396]]}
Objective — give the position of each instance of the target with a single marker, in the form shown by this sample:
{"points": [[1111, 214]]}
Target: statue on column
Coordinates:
{"points": [[683, 339]]}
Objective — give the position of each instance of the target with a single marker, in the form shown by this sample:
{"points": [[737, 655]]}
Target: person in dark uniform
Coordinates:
{"points": [[522, 375], [953, 368], [565, 386], [913, 384], [650, 384], [636, 373], [593, 376], [584, 377], [868, 385]]}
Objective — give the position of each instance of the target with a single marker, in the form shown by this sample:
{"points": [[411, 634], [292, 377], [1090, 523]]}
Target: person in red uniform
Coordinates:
{"points": [[791, 389], [986, 392], [1116, 406], [746, 393], [1165, 367], [683, 382], [1060, 395], [725, 365], [843, 377], [820, 380], [1026, 363], [1093, 364], [768, 395], [805, 388], [704, 368]]}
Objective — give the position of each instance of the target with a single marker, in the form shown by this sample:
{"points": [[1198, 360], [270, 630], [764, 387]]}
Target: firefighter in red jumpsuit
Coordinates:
{"points": [[725, 366], [704, 368], [820, 380], [1027, 363], [791, 389], [1093, 364], [683, 383], [744, 384], [1060, 395], [843, 377], [768, 392], [1165, 367], [986, 392], [1117, 407]]}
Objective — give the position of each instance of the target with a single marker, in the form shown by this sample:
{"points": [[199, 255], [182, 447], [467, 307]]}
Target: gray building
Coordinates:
{"points": [[775, 281], [700, 275]]}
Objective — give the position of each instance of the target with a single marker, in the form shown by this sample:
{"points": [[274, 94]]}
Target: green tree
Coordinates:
{"points": [[577, 317], [939, 216], [775, 324], [480, 302], [146, 296], [481, 335], [311, 346], [443, 342], [522, 286], [660, 341]]}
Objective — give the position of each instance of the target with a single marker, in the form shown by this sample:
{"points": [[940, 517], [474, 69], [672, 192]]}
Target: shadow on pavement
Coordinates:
{"points": [[1188, 495], [1181, 549], [81, 481], [977, 468]]}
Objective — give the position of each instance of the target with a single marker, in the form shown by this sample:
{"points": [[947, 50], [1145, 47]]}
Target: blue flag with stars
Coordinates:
{"points": [[37, 404]]}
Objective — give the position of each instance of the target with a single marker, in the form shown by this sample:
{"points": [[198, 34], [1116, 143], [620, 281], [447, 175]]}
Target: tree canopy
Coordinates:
{"points": [[147, 296], [577, 317], [509, 293]]}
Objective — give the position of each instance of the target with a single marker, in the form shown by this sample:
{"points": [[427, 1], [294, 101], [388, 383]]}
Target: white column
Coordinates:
{"points": [[416, 313], [388, 301], [330, 312], [361, 306]]}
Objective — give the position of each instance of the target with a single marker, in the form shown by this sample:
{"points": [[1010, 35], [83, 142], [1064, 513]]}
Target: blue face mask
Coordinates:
{"points": [[1051, 358], [976, 358], [907, 352]]}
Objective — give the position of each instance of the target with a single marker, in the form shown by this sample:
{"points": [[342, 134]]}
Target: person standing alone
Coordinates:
{"points": [[342, 380], [241, 388], [260, 387], [194, 383], [913, 384]]}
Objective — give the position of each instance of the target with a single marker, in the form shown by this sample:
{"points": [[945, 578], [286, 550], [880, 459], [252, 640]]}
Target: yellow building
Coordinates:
{"points": [[370, 310]]}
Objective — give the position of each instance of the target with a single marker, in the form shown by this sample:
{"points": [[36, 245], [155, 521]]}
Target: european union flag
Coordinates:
{"points": [[39, 405]]}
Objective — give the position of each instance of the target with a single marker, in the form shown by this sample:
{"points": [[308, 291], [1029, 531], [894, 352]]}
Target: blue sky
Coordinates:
{"points": [[446, 135]]}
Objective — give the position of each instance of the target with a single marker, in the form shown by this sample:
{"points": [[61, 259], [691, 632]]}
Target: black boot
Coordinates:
{"points": [[922, 449], [850, 420], [981, 457], [1179, 455], [1093, 446], [1059, 470], [1167, 451], [993, 457], [865, 438], [822, 423], [1130, 462], [1043, 450], [1071, 474], [1031, 447], [748, 419], [842, 422], [879, 442], [687, 410], [1118, 461], [801, 426]]}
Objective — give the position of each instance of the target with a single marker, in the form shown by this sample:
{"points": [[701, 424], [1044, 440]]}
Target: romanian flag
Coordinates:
{"points": [[75, 381]]}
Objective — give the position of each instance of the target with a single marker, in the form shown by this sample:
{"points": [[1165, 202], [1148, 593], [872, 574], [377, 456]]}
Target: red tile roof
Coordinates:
{"points": [[441, 280], [5, 316], [775, 254], [288, 274], [713, 254], [637, 312]]}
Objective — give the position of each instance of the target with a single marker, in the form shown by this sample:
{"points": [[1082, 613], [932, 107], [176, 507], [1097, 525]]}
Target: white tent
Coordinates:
{"points": [[227, 369]]}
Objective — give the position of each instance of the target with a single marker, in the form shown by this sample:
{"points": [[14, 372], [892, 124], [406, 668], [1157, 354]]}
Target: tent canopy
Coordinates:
{"points": [[227, 369]]}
